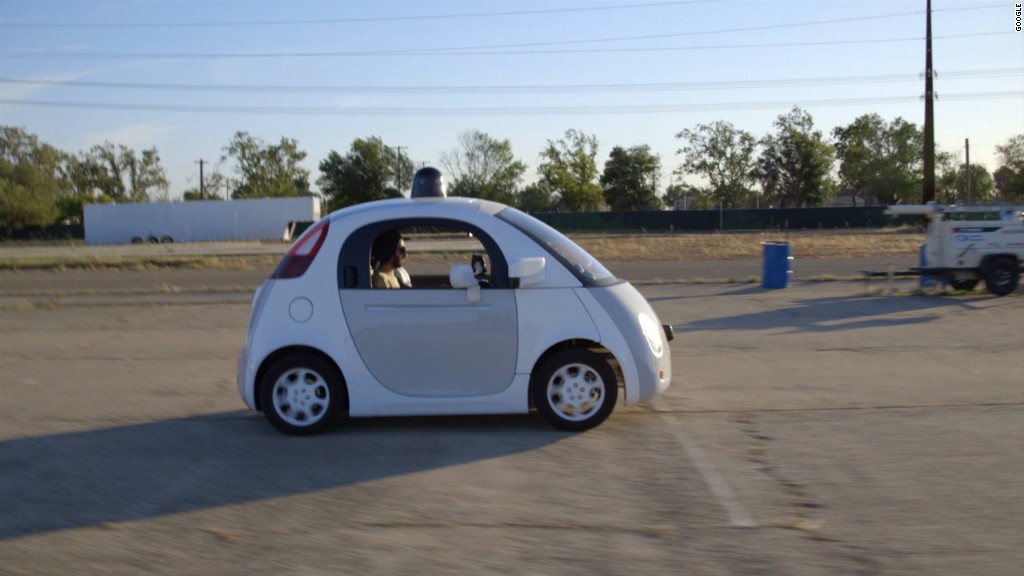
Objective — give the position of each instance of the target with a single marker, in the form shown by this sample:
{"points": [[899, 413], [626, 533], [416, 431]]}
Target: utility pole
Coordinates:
{"points": [[967, 151], [928, 194], [399, 181], [202, 184]]}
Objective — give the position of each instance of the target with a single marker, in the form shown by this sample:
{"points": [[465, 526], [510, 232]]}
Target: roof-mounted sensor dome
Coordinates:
{"points": [[428, 183]]}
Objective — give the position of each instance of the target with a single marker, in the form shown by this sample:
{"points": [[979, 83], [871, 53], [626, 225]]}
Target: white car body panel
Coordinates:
{"points": [[610, 336], [469, 347], [541, 324]]}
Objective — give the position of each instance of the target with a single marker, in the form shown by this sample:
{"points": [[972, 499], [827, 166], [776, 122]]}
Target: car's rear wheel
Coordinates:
{"points": [[574, 389], [1001, 275], [302, 394]]}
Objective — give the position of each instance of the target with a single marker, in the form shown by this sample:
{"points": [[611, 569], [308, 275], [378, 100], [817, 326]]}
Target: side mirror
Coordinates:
{"points": [[461, 276], [529, 271]]}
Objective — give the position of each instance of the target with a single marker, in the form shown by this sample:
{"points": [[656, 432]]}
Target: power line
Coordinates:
{"points": [[511, 111], [452, 16], [465, 15], [467, 51], [529, 89]]}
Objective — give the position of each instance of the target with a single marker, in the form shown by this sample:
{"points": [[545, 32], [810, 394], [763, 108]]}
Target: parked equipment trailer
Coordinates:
{"points": [[199, 221], [967, 244]]}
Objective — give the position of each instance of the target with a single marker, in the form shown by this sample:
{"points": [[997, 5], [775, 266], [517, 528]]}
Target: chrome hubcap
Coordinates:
{"points": [[301, 397], [575, 391]]}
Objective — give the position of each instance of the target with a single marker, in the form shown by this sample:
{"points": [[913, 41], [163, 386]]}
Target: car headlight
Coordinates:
{"points": [[652, 332]]}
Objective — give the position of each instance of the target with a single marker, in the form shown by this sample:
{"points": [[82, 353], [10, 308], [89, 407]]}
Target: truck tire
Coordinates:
{"points": [[1001, 275]]}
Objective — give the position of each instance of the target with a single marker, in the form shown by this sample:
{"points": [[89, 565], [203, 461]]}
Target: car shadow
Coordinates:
{"points": [[146, 470], [832, 314]]}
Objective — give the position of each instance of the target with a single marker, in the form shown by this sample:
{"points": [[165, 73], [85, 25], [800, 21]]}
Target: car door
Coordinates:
{"points": [[433, 341]]}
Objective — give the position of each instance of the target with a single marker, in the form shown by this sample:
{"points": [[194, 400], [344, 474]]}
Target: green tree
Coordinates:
{"points": [[722, 154], [569, 169], [214, 187], [795, 163], [122, 175], [369, 171], [881, 160], [80, 176], [1009, 177], [267, 171], [483, 167], [30, 179], [536, 197], [982, 186], [630, 179], [951, 182], [681, 196]]}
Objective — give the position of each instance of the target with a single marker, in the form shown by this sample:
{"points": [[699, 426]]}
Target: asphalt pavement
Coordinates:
{"points": [[824, 428]]}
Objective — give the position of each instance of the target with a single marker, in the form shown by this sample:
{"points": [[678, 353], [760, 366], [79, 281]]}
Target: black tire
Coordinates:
{"points": [[574, 389], [1001, 275], [302, 394], [965, 285]]}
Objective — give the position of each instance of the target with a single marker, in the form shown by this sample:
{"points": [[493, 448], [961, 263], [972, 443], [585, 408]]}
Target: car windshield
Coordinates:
{"points": [[585, 267]]}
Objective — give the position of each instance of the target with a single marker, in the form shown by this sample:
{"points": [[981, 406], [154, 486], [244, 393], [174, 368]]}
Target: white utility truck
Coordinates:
{"points": [[199, 221], [966, 244]]}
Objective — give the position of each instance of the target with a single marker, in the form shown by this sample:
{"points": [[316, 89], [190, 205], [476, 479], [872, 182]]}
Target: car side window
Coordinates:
{"points": [[418, 254]]}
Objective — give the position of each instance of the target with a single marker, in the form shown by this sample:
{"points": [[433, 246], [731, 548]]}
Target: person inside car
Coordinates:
{"points": [[387, 257]]}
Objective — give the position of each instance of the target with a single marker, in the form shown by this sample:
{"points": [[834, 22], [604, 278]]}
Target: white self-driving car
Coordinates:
{"points": [[504, 315]]}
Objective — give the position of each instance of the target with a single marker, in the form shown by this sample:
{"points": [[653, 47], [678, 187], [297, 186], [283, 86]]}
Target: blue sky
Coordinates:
{"points": [[184, 76]]}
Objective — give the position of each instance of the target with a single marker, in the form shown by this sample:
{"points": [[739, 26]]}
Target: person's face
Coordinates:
{"points": [[399, 258]]}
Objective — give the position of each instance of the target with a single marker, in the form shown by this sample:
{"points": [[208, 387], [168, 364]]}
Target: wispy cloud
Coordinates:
{"points": [[42, 82], [12, 91], [136, 136]]}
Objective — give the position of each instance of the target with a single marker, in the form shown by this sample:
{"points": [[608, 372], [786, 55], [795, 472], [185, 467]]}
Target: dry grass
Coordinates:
{"points": [[817, 244], [139, 263], [604, 246]]}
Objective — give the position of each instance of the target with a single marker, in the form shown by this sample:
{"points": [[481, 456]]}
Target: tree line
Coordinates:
{"points": [[870, 161]]}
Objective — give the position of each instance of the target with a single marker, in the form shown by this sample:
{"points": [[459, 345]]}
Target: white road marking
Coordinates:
{"points": [[735, 512]]}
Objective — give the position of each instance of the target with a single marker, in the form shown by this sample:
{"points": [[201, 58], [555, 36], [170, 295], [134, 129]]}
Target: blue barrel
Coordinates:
{"points": [[777, 263]]}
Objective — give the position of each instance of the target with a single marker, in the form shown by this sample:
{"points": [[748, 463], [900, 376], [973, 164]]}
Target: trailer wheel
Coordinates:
{"points": [[965, 285], [1002, 275]]}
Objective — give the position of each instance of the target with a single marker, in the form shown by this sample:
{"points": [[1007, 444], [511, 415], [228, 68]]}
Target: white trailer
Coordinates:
{"points": [[199, 221], [966, 244]]}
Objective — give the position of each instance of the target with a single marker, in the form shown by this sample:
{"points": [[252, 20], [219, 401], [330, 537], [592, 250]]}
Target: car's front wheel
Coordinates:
{"points": [[575, 389], [302, 394]]}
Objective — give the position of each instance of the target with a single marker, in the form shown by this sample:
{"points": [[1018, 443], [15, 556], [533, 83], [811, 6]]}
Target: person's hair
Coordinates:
{"points": [[384, 246]]}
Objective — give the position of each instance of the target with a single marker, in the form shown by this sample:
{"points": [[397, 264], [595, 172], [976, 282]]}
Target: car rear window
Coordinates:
{"points": [[587, 269]]}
